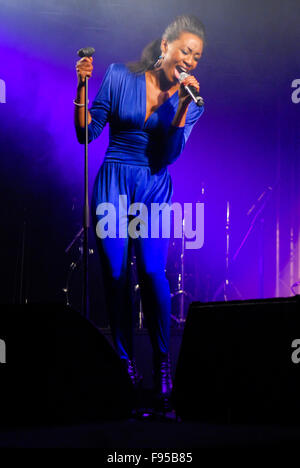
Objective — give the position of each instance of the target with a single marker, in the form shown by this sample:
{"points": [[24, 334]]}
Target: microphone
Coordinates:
{"points": [[191, 90], [86, 52]]}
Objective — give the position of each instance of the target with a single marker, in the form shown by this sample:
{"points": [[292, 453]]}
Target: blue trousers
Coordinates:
{"points": [[139, 185]]}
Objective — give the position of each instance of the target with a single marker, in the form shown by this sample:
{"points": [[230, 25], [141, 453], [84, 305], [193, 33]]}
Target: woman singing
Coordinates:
{"points": [[151, 117]]}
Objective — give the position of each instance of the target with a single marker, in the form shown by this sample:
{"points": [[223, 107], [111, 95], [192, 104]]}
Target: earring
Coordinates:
{"points": [[158, 61]]}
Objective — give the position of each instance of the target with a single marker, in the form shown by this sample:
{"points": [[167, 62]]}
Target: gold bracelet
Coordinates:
{"points": [[79, 105]]}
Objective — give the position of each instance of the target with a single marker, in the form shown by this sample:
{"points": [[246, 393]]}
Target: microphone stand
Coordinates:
{"points": [[85, 52], [252, 224], [83, 234], [258, 217], [86, 211], [227, 285]]}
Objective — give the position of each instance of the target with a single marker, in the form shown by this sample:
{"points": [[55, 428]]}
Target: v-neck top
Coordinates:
{"points": [[121, 101]]}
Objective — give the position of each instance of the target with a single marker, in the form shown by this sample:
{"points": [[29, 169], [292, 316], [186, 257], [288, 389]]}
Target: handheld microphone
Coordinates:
{"points": [[191, 90], [86, 52]]}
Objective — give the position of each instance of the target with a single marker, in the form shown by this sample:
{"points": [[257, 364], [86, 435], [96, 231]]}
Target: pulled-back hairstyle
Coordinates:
{"points": [[150, 54]]}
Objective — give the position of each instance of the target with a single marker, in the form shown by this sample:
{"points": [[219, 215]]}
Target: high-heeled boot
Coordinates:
{"points": [[163, 382], [131, 369]]}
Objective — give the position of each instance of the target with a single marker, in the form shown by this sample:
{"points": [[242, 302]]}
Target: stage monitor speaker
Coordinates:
{"points": [[240, 362], [56, 367]]}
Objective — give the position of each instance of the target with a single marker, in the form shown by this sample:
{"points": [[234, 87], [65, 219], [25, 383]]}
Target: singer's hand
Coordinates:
{"points": [[184, 97], [84, 68]]}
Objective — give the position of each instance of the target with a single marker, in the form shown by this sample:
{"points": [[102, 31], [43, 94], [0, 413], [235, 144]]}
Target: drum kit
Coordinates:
{"points": [[180, 278], [176, 273], [180, 297]]}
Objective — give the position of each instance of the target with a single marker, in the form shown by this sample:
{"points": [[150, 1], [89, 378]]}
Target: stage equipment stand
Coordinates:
{"points": [[136, 290], [74, 265], [86, 212], [227, 284], [84, 232], [87, 52], [180, 320], [259, 207]]}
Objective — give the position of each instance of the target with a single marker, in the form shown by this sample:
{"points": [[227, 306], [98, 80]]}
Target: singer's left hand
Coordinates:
{"points": [[184, 97]]}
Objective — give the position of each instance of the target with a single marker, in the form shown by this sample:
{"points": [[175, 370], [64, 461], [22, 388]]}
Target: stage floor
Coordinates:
{"points": [[134, 434]]}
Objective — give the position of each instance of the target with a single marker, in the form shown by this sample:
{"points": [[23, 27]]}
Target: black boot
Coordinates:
{"points": [[131, 369], [163, 383]]}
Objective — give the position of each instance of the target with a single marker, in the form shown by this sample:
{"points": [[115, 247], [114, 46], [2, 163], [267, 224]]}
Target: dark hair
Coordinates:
{"points": [[150, 54]]}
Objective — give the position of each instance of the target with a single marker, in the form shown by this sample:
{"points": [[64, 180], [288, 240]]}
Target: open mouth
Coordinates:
{"points": [[179, 70]]}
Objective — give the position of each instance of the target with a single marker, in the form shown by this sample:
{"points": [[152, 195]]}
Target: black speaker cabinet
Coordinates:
{"points": [[55, 366], [240, 362]]}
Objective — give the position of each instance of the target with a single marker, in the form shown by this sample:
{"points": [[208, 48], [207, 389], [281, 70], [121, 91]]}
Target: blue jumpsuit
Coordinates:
{"points": [[135, 165]]}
